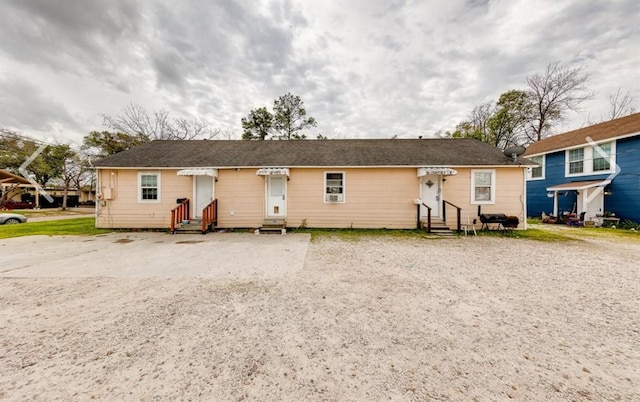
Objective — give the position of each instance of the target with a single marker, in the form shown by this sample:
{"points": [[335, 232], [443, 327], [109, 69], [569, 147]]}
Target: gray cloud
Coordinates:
{"points": [[364, 69], [23, 106], [75, 36]]}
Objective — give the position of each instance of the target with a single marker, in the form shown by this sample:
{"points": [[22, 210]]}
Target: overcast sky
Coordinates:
{"points": [[364, 68]]}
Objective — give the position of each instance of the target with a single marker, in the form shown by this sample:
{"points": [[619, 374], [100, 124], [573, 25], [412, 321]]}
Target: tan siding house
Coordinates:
{"points": [[324, 184]]}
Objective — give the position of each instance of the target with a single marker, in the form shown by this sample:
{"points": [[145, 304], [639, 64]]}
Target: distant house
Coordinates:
{"points": [[593, 170], [315, 183], [17, 188], [75, 197]]}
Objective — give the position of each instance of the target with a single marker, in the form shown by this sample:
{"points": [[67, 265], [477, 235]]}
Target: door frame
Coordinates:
{"points": [[583, 204], [267, 192], [436, 211], [197, 213]]}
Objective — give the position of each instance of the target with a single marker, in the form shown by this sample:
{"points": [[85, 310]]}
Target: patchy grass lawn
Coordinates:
{"points": [[533, 233], [587, 233], [537, 232], [80, 226], [357, 234]]}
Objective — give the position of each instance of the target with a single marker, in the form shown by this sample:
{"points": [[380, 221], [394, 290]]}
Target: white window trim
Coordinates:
{"points": [[344, 187], [589, 155], [612, 159], [542, 165], [585, 159], [493, 186], [149, 173]]}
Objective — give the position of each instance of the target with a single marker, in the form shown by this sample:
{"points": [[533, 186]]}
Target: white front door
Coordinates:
{"points": [[203, 194], [276, 196], [430, 195]]}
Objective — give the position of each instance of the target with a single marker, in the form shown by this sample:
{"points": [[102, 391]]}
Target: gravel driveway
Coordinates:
{"points": [[483, 318], [153, 254]]}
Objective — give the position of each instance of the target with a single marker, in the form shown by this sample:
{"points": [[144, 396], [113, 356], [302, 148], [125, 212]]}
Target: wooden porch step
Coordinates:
{"points": [[438, 227], [443, 232], [435, 224], [274, 222], [194, 226], [273, 226]]}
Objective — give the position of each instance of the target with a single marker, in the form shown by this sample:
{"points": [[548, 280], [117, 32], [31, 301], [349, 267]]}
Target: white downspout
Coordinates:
{"points": [[96, 200], [524, 206]]}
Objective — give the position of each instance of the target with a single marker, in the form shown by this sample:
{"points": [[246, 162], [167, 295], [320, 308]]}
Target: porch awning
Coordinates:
{"points": [[273, 172], [440, 171], [579, 185], [198, 172]]}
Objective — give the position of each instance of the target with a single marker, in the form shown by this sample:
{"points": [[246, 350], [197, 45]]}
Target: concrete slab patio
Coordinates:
{"points": [[148, 255]]}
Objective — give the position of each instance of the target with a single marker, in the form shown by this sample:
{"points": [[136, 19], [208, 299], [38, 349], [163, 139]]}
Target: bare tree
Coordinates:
{"points": [[477, 126], [228, 134], [135, 121], [559, 89], [480, 117], [622, 104]]}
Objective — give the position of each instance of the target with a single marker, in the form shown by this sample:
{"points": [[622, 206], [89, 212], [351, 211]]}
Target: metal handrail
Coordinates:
{"points": [[428, 216], [459, 213], [179, 213]]}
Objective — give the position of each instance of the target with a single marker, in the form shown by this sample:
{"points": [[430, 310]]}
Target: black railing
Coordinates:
{"points": [[428, 216], [458, 214]]}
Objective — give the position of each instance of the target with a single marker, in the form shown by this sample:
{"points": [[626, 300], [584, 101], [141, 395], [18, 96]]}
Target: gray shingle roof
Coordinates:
{"points": [[307, 153]]}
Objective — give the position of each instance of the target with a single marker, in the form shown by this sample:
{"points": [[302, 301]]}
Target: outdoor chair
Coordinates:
{"points": [[469, 226], [576, 220]]}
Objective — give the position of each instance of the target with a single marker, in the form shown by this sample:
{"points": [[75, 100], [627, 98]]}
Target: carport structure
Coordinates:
{"points": [[7, 178], [9, 182]]}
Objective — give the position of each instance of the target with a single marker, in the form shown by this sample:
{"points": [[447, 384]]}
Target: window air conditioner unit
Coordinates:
{"points": [[334, 197]]}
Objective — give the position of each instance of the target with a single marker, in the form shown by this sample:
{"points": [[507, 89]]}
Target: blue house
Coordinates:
{"points": [[595, 170]]}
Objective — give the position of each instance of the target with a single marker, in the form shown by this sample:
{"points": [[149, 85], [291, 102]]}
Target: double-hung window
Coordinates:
{"points": [[334, 187], [483, 186], [149, 187], [602, 158], [538, 171], [590, 159], [576, 161]]}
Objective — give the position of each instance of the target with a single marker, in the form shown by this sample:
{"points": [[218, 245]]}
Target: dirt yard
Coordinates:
{"points": [[483, 318]]}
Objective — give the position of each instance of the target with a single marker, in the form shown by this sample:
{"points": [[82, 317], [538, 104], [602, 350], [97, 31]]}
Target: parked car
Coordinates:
{"points": [[12, 204], [9, 219]]}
